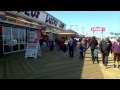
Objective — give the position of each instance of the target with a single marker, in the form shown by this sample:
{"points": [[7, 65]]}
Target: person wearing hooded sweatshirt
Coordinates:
{"points": [[116, 52], [105, 48]]}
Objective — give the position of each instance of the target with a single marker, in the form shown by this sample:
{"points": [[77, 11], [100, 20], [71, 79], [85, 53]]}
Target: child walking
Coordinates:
{"points": [[96, 55]]}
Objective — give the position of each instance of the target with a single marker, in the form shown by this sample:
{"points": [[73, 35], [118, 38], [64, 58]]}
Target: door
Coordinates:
{"points": [[6, 33], [1, 44], [15, 39], [22, 38]]}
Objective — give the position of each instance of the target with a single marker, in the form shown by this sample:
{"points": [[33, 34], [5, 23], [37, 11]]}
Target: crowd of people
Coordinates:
{"points": [[105, 46]]}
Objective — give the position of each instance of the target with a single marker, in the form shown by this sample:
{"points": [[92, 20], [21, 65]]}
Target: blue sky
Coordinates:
{"points": [[87, 19]]}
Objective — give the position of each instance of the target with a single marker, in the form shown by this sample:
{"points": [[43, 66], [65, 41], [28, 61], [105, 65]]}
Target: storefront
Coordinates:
{"points": [[19, 27], [15, 37], [67, 34]]}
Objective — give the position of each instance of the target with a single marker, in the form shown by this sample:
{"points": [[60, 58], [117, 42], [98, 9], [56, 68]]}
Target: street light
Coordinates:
{"points": [[83, 31]]}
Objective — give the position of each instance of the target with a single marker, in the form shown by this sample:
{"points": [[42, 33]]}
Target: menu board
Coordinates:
{"points": [[33, 50]]}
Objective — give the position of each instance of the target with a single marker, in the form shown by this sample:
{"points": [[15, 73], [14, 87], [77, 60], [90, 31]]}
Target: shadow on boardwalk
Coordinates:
{"points": [[52, 65]]}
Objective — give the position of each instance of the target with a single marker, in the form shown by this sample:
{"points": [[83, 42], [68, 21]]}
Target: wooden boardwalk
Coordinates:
{"points": [[52, 65]]}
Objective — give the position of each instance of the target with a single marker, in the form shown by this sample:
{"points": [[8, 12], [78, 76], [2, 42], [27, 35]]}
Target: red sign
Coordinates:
{"points": [[98, 29]]}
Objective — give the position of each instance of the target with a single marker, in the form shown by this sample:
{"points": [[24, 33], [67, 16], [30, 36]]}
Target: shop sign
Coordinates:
{"points": [[33, 14], [41, 17], [33, 50], [52, 21], [98, 29], [15, 21]]}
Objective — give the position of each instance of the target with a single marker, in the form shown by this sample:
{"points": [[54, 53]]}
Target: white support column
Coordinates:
{"points": [[50, 35]]}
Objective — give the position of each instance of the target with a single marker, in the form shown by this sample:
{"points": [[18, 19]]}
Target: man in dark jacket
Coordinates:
{"points": [[93, 43], [105, 48], [71, 47], [75, 43]]}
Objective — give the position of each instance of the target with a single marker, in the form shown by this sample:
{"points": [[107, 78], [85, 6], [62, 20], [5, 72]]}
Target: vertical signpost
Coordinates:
{"points": [[93, 29]]}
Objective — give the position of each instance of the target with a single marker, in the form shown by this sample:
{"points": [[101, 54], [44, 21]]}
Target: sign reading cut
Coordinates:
{"points": [[33, 14]]}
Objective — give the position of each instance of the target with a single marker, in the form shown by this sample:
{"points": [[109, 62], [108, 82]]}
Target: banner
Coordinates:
{"points": [[98, 29]]}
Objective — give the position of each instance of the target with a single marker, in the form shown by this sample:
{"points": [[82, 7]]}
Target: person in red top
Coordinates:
{"points": [[61, 44]]}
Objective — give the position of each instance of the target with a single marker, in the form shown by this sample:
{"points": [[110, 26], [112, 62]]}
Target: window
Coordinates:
{"points": [[7, 35], [1, 46], [22, 38], [6, 39], [14, 39]]}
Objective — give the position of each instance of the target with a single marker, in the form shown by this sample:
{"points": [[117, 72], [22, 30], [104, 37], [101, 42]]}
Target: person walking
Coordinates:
{"points": [[116, 52], [105, 48], [96, 54], [51, 45], [93, 43], [80, 50], [84, 44], [61, 44], [65, 49], [56, 41], [71, 47], [75, 43]]}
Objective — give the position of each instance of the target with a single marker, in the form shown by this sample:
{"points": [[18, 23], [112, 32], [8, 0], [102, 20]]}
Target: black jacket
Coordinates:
{"points": [[105, 46], [93, 44]]}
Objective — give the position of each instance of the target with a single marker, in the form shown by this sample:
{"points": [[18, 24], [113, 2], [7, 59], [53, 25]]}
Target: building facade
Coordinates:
{"points": [[19, 27]]}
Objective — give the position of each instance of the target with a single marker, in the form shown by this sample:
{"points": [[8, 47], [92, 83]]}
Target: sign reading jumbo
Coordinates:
{"points": [[40, 16]]}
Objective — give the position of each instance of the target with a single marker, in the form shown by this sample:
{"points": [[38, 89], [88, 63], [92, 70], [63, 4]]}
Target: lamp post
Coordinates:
{"points": [[83, 30]]}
